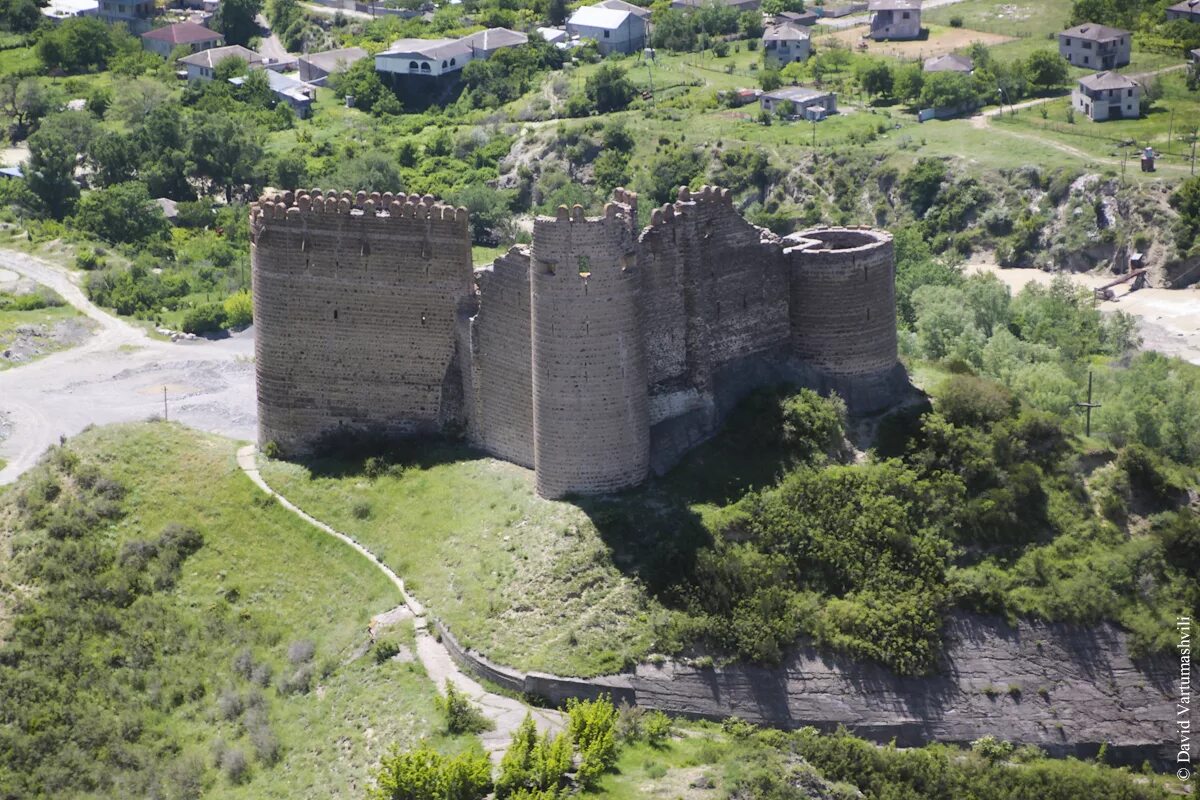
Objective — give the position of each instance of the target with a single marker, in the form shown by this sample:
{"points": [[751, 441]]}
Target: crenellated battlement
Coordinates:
{"points": [[288, 206], [572, 244], [686, 200]]}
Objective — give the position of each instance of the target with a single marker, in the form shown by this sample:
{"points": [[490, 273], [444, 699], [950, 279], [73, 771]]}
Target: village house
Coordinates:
{"points": [[58, 10], [135, 14], [799, 101], [621, 5], [895, 19], [295, 93], [805, 18], [315, 68], [183, 34], [427, 61], [1095, 46], [614, 29], [951, 62], [1107, 95], [1188, 10], [202, 66], [784, 43]]}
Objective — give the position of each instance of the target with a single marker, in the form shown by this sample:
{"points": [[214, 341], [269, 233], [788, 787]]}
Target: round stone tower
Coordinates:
{"points": [[843, 310], [591, 422]]}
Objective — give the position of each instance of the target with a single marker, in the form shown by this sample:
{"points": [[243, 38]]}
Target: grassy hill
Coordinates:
{"points": [[164, 632]]}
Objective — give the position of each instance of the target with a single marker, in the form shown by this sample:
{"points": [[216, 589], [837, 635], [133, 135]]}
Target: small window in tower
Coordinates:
{"points": [[335, 313]]}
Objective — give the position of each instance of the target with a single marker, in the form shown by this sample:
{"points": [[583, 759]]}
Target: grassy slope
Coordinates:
{"points": [[293, 583], [526, 580]]}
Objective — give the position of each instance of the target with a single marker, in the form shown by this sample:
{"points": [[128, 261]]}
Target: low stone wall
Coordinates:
{"points": [[1065, 688]]}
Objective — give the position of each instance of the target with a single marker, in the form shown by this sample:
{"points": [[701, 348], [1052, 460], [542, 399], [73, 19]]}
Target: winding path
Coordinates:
{"points": [[505, 713]]}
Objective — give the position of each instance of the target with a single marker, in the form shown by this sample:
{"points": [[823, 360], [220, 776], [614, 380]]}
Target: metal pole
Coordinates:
{"points": [[164, 404], [1170, 130]]}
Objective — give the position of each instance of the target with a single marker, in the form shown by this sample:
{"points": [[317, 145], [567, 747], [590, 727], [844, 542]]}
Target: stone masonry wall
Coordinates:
{"points": [[591, 429], [354, 304], [501, 355]]}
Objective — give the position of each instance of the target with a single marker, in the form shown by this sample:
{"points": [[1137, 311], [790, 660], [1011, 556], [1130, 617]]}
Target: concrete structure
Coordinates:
{"points": [[949, 63], [1107, 95], [615, 30], [812, 104], [1187, 10], [315, 68], [805, 18], [785, 42], [595, 355], [1095, 46], [135, 14], [295, 93], [183, 34], [202, 66], [58, 10], [843, 10], [895, 19], [427, 59]]}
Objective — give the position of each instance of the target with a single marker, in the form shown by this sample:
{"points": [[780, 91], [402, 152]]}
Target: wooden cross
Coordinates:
{"points": [[1089, 405]]}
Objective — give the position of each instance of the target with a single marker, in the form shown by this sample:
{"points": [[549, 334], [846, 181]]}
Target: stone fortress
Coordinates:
{"points": [[594, 355]]}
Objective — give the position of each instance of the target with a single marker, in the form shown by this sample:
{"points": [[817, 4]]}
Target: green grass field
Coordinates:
{"points": [[273, 580], [527, 581]]}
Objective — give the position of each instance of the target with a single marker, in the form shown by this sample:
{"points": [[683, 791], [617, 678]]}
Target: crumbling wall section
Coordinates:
{"points": [[355, 298], [501, 356], [590, 415]]}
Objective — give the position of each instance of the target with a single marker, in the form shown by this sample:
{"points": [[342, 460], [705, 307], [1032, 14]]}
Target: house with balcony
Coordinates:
{"points": [[1107, 95], [418, 68], [784, 43], [1095, 46], [895, 19]]}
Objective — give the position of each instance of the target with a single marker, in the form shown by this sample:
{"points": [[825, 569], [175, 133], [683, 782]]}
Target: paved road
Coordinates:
{"points": [[118, 375], [269, 46], [505, 713]]}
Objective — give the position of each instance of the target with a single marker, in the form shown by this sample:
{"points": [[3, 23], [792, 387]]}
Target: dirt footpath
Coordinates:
{"points": [[939, 42]]}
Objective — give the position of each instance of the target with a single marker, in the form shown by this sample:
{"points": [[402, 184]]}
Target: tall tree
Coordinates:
{"points": [[226, 154], [235, 19]]}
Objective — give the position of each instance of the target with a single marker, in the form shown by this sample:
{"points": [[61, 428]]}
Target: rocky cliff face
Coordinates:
{"points": [[1065, 688]]}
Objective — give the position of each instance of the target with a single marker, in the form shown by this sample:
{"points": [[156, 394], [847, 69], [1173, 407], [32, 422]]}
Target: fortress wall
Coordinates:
{"points": [[590, 410], [843, 301], [713, 280], [501, 353], [355, 302]]}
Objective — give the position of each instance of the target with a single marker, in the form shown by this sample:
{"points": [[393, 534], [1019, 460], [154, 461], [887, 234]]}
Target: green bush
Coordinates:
{"points": [[461, 715], [208, 318], [239, 309], [970, 401]]}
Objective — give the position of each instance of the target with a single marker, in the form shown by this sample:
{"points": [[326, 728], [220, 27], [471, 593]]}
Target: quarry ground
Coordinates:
{"points": [[1168, 319], [118, 375]]}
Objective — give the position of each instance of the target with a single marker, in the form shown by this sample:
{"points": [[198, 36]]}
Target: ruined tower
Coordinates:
{"points": [[355, 298], [591, 428], [843, 311]]}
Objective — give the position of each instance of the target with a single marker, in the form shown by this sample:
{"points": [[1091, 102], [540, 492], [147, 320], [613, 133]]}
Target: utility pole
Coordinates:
{"points": [[164, 404], [1193, 152], [1089, 405], [1170, 130]]}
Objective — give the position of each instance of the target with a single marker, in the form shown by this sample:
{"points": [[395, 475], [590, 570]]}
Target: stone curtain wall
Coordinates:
{"points": [[355, 313], [501, 354], [592, 356], [591, 425]]}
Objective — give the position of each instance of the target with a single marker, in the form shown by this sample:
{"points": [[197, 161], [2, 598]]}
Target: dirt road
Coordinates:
{"points": [[118, 375]]}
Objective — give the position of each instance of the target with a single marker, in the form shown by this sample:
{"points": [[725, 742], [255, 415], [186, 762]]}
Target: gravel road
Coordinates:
{"points": [[118, 375]]}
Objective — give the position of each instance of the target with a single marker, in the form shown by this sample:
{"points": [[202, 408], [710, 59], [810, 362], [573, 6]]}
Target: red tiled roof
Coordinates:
{"points": [[183, 33]]}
